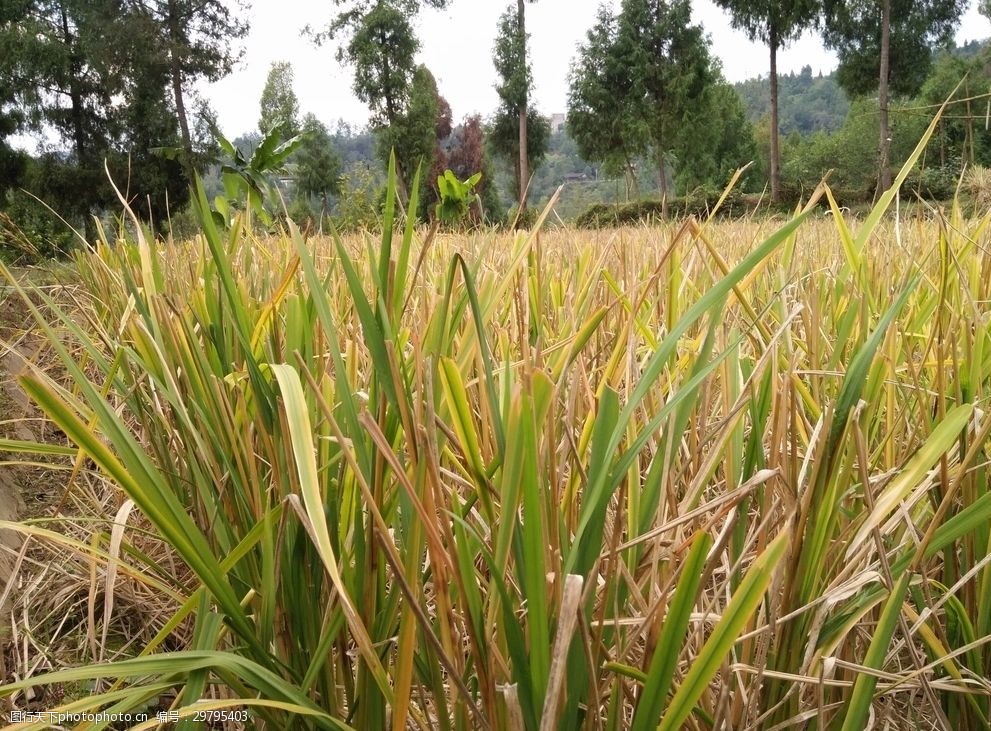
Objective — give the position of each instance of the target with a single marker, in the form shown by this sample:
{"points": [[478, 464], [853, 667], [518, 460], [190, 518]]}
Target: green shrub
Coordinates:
{"points": [[301, 212], [358, 206], [524, 221], [933, 183], [31, 231]]}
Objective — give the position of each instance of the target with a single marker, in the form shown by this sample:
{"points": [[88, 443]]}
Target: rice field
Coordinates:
{"points": [[700, 475]]}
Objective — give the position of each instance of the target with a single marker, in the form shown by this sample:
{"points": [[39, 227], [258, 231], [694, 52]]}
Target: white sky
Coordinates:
{"points": [[457, 47]]}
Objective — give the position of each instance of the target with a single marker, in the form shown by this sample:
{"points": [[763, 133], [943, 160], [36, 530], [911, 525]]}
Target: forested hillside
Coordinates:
{"points": [[813, 102], [807, 103]]}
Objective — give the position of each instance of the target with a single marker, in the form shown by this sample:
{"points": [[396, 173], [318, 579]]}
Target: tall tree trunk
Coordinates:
{"points": [[884, 137], [663, 181], [524, 171], [775, 148], [392, 117], [76, 100], [629, 174], [175, 71]]}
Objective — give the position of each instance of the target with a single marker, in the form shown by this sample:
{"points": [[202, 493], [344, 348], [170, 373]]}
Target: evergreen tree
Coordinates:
{"points": [[12, 162], [722, 140], [669, 62], [378, 41], [64, 81], [600, 118], [413, 135], [318, 167], [644, 83], [279, 104], [197, 40], [381, 48], [519, 133], [155, 184], [83, 70]]}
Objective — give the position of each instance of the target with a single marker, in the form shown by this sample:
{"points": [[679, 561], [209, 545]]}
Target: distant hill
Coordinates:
{"points": [[812, 103], [806, 103], [971, 48]]}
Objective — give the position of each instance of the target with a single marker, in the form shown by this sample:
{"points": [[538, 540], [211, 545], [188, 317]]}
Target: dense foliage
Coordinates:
{"points": [[853, 29], [108, 85], [807, 102], [645, 86], [279, 104], [317, 165]]}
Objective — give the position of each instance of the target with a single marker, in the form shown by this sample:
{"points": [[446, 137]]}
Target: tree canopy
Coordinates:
{"points": [[771, 21], [774, 22], [413, 134], [606, 131], [103, 82], [516, 122], [318, 167], [378, 41], [853, 29], [196, 40], [279, 104], [644, 83]]}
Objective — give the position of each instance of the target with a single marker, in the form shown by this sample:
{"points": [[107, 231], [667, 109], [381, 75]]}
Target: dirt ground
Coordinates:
{"points": [[24, 490]]}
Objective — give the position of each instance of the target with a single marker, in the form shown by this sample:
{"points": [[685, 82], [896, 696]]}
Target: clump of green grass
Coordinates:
{"points": [[694, 476]]}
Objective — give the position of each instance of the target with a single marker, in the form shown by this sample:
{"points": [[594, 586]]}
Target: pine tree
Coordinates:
{"points": [[197, 39], [413, 135], [600, 116], [519, 133], [279, 103], [64, 82], [670, 68], [318, 167]]}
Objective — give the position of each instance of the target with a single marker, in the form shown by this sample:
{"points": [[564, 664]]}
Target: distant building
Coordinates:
{"points": [[557, 123]]}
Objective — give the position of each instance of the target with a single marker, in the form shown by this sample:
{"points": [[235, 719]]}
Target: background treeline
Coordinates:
{"points": [[807, 103], [107, 86]]}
